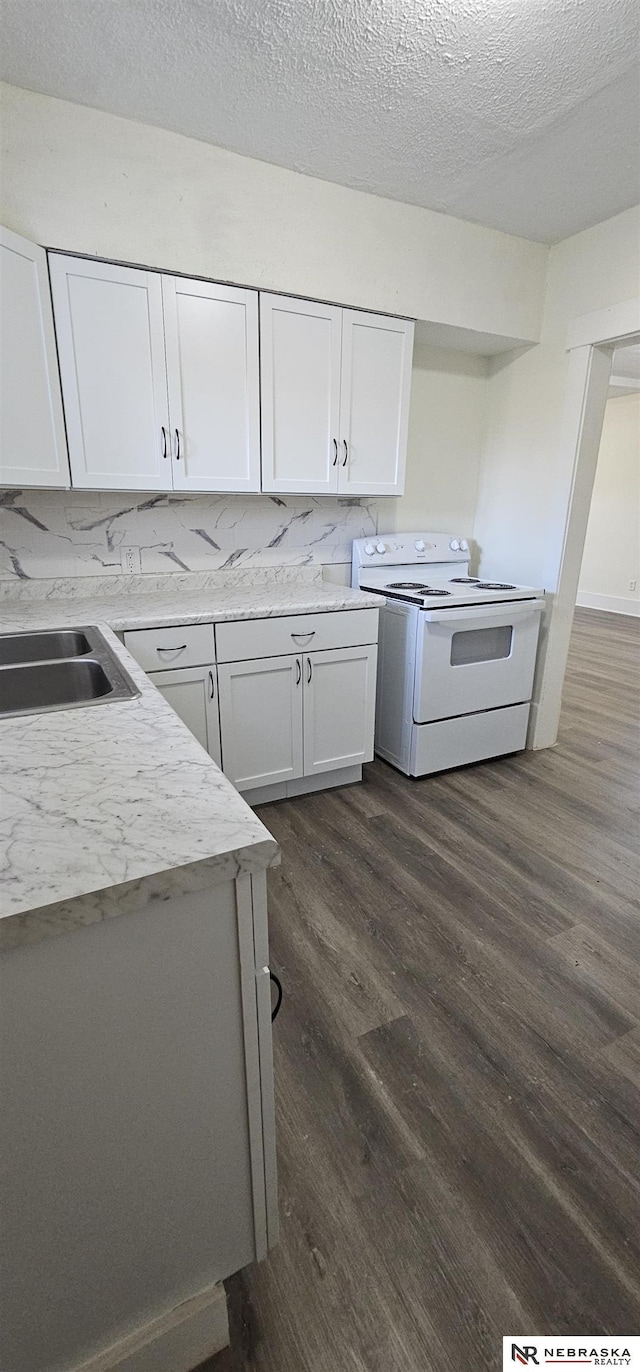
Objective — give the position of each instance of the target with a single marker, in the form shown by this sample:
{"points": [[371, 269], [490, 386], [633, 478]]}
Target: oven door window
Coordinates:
{"points": [[481, 645]]}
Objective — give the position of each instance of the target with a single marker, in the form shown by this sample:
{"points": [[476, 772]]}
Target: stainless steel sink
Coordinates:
{"points": [[16, 648], [75, 667]]}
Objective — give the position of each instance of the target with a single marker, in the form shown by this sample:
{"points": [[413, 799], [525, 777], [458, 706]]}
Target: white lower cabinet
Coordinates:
{"points": [[283, 718], [339, 708], [261, 721], [191, 691], [275, 721]]}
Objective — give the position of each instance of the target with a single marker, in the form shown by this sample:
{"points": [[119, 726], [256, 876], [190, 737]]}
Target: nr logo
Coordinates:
{"points": [[526, 1354]]}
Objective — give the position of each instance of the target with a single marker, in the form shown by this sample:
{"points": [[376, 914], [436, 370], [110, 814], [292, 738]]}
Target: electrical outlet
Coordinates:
{"points": [[130, 559], [633, 584]]}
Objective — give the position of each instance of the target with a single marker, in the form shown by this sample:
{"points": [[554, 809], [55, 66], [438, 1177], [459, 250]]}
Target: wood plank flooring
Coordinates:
{"points": [[458, 1054]]}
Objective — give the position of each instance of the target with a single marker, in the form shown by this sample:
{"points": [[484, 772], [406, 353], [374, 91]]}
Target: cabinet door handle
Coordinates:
{"points": [[211, 686], [346, 452], [164, 442], [298, 671], [278, 985], [335, 452], [177, 445], [309, 670]]}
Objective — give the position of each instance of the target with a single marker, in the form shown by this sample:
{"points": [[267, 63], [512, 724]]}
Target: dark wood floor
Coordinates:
{"points": [[458, 1053]]}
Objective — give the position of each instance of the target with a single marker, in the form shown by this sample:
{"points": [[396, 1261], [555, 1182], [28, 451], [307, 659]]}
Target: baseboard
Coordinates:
{"points": [[615, 604], [176, 1341], [303, 786], [323, 781]]}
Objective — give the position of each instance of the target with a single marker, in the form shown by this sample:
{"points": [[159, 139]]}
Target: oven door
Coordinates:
{"points": [[476, 658]]}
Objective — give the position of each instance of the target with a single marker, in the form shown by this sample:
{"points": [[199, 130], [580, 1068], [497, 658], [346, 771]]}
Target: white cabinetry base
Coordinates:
{"points": [[302, 786], [176, 1341]]}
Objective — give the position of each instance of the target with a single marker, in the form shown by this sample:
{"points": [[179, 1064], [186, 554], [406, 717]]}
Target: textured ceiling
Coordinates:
{"points": [[520, 114]]}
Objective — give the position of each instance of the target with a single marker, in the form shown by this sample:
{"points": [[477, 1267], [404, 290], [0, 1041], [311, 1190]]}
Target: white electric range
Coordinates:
{"points": [[456, 654]]}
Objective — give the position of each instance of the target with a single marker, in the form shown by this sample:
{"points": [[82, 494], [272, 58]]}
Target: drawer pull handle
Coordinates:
{"points": [[310, 633], [180, 647], [278, 985]]}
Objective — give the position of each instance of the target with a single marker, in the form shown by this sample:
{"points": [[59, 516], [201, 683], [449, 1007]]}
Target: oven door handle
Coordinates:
{"points": [[479, 615]]}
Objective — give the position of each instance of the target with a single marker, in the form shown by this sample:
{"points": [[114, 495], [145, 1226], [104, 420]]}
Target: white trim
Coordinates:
{"points": [[591, 340], [615, 604], [176, 1341], [244, 906], [302, 786], [611, 324], [585, 401], [603, 326]]}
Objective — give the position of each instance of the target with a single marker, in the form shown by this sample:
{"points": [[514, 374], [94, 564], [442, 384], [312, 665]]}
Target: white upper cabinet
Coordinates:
{"points": [[211, 335], [112, 365], [335, 398], [374, 403], [168, 384], [33, 447], [300, 391]]}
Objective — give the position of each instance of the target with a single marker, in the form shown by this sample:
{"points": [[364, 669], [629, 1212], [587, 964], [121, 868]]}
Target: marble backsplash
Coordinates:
{"points": [[83, 533]]}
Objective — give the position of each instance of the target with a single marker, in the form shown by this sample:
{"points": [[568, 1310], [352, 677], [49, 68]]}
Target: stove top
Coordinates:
{"points": [[427, 570], [451, 592], [417, 589]]}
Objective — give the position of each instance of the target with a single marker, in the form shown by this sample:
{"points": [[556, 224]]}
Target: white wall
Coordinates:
{"points": [[527, 469], [611, 558], [85, 181], [524, 489], [446, 430]]}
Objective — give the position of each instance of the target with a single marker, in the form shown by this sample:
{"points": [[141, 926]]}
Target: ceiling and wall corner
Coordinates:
{"points": [[89, 182], [519, 115]]}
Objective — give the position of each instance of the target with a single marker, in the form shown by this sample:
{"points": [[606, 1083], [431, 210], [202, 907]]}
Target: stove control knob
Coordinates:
{"points": [[369, 549], [454, 545], [380, 548], [464, 546], [419, 545]]}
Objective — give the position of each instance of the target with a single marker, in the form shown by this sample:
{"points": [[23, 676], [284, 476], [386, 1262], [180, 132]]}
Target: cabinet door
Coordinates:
{"points": [[191, 691], [33, 449], [300, 390], [339, 708], [211, 335], [374, 403], [111, 349], [261, 720]]}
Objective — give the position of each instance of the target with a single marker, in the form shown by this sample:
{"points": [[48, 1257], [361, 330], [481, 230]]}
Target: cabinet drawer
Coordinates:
{"points": [[179, 645], [243, 639]]}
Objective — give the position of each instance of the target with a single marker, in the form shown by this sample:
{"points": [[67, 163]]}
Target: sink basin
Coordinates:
{"points": [[52, 685], [16, 648], [40, 672]]}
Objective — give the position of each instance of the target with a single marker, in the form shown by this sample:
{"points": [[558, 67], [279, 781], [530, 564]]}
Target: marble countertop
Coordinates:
{"points": [[186, 605], [107, 807]]}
